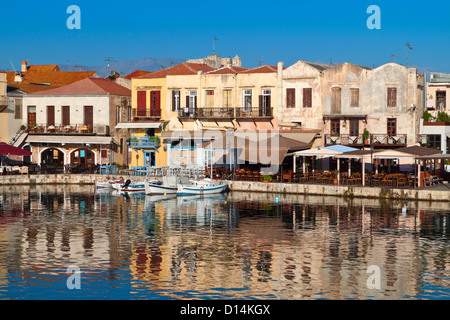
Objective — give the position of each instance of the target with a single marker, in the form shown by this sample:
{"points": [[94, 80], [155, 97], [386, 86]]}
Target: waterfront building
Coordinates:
{"points": [[435, 125], [76, 124], [27, 80], [372, 107], [4, 116]]}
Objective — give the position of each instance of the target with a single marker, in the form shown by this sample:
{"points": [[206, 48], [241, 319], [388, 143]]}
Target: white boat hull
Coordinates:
{"points": [[107, 184], [155, 189], [202, 188], [134, 187]]}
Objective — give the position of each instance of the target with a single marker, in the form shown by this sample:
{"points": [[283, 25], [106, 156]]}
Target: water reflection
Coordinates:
{"points": [[221, 246]]}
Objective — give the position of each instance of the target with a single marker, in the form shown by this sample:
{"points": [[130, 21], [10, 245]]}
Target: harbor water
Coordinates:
{"points": [[229, 246]]}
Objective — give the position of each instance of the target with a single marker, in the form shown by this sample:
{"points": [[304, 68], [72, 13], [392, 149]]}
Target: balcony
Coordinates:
{"points": [[254, 113], [60, 129], [344, 139], [145, 142], [385, 139], [206, 113], [141, 114], [375, 139]]}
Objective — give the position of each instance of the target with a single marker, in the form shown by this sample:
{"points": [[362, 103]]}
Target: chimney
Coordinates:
{"points": [[18, 77], [24, 66]]}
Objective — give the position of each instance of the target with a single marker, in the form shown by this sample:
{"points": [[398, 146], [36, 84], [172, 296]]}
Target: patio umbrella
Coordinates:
{"points": [[6, 149]]}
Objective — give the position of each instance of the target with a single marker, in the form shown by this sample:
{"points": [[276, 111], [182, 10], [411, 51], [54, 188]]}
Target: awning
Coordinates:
{"points": [[192, 134], [68, 139], [322, 152], [139, 125]]}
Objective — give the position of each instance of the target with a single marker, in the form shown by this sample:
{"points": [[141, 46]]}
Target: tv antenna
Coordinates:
{"points": [[69, 62], [261, 62], [78, 66], [109, 60], [408, 47], [12, 65], [214, 45], [395, 57]]}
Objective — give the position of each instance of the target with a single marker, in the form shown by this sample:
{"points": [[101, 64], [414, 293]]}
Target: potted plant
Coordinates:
{"points": [[266, 178], [335, 180], [366, 136]]}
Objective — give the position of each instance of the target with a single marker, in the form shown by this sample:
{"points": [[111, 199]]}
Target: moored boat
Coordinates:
{"points": [[169, 185], [109, 184], [130, 186], [204, 186]]}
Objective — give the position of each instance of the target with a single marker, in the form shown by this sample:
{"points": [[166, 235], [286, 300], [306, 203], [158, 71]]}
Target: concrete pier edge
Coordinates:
{"points": [[422, 194]]}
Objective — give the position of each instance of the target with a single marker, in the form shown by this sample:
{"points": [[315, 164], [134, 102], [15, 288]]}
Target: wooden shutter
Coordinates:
{"points": [[392, 97], [307, 98], [50, 115], [354, 97], [65, 115], [141, 103], [290, 98], [336, 100], [173, 101], [88, 115]]}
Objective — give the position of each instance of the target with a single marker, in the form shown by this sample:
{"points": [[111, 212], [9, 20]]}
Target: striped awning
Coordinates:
{"points": [[68, 139]]}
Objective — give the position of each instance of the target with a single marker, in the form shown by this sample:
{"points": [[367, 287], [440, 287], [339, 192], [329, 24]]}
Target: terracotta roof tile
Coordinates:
{"points": [[184, 68], [40, 81], [262, 69], [228, 70], [88, 86], [136, 73]]}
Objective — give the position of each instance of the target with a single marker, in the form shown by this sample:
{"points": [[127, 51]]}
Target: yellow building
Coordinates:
{"points": [[176, 110]]}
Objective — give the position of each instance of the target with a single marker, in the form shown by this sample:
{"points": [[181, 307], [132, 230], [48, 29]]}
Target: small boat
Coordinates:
{"points": [[130, 186], [204, 186], [107, 184], [169, 185]]}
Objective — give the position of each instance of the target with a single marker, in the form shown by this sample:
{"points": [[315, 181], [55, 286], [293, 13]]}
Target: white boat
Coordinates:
{"points": [[129, 186], [169, 185], [204, 186], [107, 184]]}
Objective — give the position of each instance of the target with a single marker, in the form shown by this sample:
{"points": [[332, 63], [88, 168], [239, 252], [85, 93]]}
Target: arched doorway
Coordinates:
{"points": [[52, 160], [27, 159], [83, 157]]}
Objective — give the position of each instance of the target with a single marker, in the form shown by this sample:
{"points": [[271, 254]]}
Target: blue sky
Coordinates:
{"points": [[269, 30]]}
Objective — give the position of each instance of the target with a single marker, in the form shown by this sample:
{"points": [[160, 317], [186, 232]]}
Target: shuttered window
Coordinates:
{"points": [[65, 115], [175, 100], [392, 97], [307, 98], [50, 115], [290, 98], [336, 100], [354, 98]]}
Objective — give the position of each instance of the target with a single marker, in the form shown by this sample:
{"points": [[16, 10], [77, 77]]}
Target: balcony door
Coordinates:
{"points": [[65, 116], [50, 116], [155, 103], [141, 103], [88, 116]]}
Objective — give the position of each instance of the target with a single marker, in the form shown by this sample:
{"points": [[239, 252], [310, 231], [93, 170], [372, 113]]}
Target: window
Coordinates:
{"points": [[175, 100], [88, 115], [50, 115], [117, 114], [227, 98], [354, 127], [65, 115], [247, 99], [392, 127], [209, 103], [336, 100], [31, 120], [18, 109], [441, 98], [434, 141], [335, 127], [354, 93], [307, 98], [192, 99], [265, 103], [104, 153], [392, 97], [290, 98]]}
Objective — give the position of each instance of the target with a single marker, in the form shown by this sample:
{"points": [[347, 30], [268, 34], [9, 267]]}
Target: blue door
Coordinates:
{"points": [[149, 158]]}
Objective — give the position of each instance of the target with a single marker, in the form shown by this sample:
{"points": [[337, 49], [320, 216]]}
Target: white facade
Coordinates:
{"points": [[101, 108]]}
